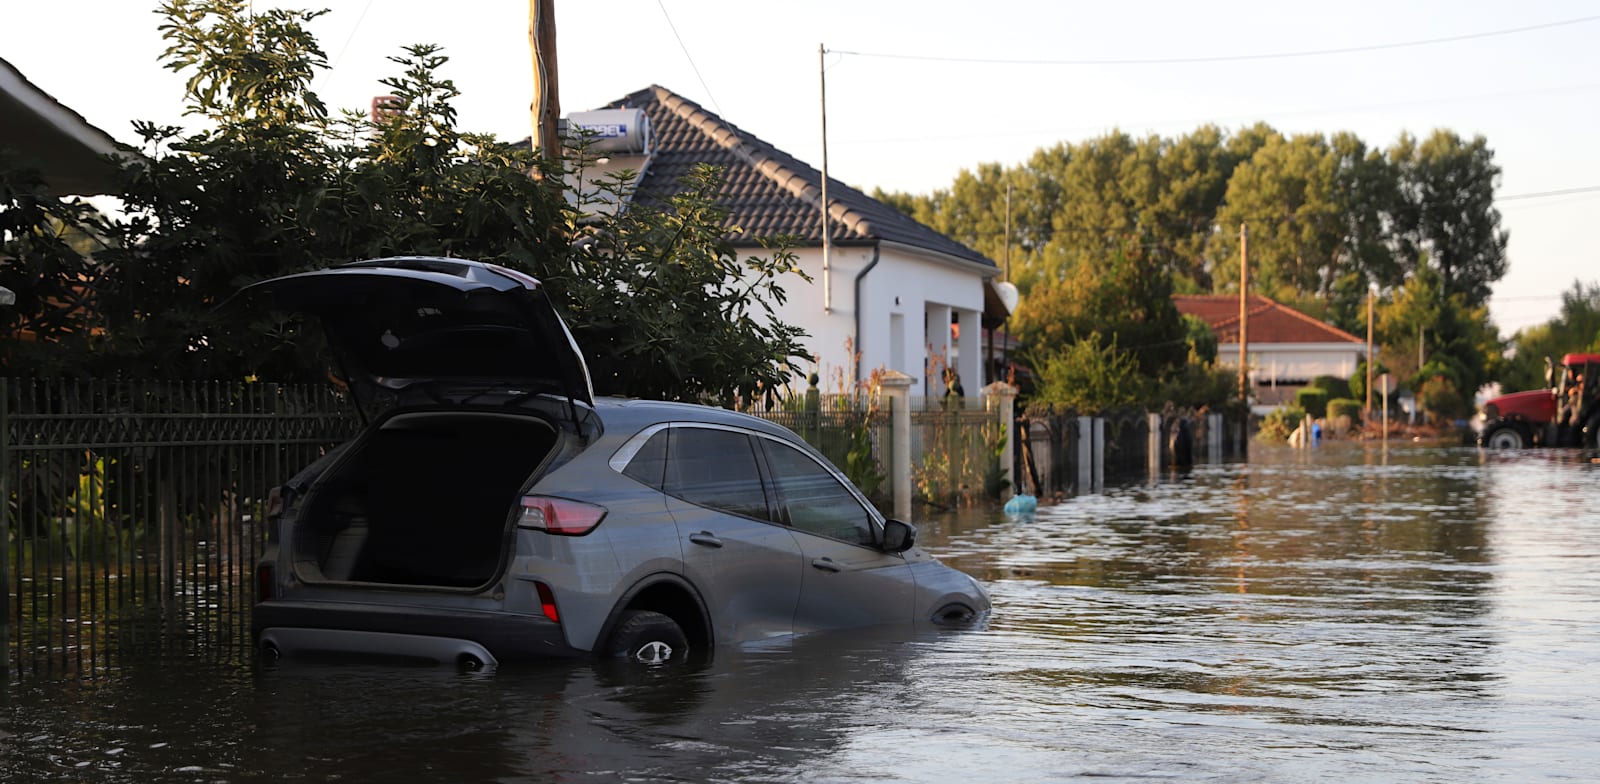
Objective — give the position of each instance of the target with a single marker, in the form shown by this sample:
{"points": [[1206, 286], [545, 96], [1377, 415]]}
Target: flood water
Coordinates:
{"points": [[1339, 614]]}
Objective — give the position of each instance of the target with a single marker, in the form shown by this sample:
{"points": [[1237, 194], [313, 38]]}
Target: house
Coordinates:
{"points": [[898, 293], [1287, 348], [73, 157], [70, 153]]}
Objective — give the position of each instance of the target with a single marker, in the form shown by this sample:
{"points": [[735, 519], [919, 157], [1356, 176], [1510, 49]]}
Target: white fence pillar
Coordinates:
{"points": [[1214, 435], [1086, 454], [896, 387], [1099, 454], [1001, 399]]}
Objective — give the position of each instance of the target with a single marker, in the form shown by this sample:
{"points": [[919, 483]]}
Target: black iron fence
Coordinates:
{"points": [[133, 511]]}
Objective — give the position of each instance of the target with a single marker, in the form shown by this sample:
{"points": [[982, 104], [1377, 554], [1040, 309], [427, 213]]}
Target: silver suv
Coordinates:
{"points": [[493, 509]]}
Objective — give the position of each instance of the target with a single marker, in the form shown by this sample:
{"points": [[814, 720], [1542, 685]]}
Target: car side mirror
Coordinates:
{"points": [[898, 536]]}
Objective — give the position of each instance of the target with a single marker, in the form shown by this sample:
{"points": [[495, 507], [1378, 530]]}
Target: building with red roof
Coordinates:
{"points": [[1287, 348]]}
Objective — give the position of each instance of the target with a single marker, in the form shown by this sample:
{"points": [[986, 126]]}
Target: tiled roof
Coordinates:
{"points": [[1269, 321], [768, 191]]}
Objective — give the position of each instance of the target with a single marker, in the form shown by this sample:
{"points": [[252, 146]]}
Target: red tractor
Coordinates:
{"points": [[1565, 414]]}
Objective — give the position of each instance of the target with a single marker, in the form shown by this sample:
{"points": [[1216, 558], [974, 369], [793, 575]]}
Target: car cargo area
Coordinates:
{"points": [[425, 500]]}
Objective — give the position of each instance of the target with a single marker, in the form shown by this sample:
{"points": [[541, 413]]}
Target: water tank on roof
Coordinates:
{"points": [[612, 130]]}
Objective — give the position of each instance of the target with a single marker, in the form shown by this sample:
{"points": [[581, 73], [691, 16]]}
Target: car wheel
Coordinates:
{"points": [[647, 637], [1591, 432], [1504, 437]]}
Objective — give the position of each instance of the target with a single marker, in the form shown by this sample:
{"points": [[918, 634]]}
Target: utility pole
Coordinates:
{"points": [[546, 106], [1372, 294], [827, 239], [1244, 318], [1008, 230]]}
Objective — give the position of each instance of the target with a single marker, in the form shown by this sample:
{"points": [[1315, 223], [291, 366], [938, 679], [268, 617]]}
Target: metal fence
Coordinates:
{"points": [[133, 512], [853, 433]]}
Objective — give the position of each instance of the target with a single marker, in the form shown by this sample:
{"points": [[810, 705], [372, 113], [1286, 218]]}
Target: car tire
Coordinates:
{"points": [[646, 637], [1591, 432], [1504, 437]]}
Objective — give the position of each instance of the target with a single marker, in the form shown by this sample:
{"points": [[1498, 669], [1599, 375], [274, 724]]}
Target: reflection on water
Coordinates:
{"points": [[1333, 614]]}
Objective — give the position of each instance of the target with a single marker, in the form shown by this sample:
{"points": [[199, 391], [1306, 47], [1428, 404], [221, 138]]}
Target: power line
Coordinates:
{"points": [[688, 56], [1229, 58], [1546, 194]]}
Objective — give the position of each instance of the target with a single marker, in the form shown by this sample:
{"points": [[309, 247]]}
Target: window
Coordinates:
{"points": [[715, 468], [812, 499], [649, 464]]}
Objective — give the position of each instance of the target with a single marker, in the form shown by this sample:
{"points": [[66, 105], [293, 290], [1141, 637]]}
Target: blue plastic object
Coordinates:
{"points": [[1021, 505]]}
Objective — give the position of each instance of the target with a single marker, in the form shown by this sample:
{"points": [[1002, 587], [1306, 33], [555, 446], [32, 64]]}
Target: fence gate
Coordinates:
{"points": [[133, 512]]}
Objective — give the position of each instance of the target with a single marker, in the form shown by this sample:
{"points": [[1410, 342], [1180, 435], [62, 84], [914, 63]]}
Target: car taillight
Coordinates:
{"points": [[275, 503], [560, 515], [547, 602], [266, 582]]}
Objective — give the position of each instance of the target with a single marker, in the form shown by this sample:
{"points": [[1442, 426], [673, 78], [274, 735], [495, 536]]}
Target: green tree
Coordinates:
{"points": [[1427, 334], [1576, 328], [1445, 213], [1090, 374], [270, 185], [1126, 298], [1317, 209]]}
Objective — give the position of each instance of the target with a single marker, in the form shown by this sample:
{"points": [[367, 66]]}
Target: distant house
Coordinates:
{"points": [[902, 295], [1286, 348]]}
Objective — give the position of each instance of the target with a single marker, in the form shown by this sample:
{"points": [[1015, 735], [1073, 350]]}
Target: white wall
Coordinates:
{"points": [[903, 284], [1295, 361]]}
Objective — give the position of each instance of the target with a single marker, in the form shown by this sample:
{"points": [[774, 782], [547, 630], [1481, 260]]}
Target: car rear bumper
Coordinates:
{"points": [[419, 634]]}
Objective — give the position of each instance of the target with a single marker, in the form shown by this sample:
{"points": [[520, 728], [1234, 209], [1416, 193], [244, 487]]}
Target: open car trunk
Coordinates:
{"points": [[425, 499]]}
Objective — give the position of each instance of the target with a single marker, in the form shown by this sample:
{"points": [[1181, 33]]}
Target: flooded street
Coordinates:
{"points": [[1340, 614]]}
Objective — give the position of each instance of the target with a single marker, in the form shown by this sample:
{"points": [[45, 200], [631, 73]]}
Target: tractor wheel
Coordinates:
{"points": [[1504, 437]]}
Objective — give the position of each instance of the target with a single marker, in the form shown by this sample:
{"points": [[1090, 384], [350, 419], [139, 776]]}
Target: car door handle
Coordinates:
{"points": [[826, 564], [706, 538]]}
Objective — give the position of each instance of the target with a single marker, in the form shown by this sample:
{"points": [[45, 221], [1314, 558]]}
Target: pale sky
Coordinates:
{"points": [[912, 124]]}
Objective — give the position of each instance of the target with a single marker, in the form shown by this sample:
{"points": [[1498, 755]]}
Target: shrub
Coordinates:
{"points": [[1345, 407], [1276, 426], [1313, 401], [1335, 387]]}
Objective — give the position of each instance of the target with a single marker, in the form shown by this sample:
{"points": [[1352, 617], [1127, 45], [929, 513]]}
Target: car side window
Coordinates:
{"points": [[715, 468], [812, 499], [649, 464]]}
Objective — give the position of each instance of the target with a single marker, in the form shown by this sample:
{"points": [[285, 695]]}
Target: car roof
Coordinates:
{"points": [[631, 414]]}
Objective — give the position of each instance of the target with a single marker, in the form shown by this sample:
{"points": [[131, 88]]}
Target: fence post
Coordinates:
{"points": [[1152, 445], [896, 387], [1099, 454], [1214, 429], [1085, 454], [1002, 398]]}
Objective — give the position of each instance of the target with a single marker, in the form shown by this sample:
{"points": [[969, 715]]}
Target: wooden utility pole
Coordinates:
{"points": [[827, 238], [1244, 318], [1371, 295], [546, 106], [1008, 229]]}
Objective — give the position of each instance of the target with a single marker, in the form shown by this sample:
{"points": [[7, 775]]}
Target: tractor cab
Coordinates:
{"points": [[1565, 413]]}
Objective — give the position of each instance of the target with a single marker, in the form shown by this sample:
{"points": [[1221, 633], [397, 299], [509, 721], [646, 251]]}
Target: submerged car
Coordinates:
{"points": [[493, 509]]}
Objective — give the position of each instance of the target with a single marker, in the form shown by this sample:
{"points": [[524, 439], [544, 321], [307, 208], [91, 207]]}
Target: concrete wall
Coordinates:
{"points": [[905, 299]]}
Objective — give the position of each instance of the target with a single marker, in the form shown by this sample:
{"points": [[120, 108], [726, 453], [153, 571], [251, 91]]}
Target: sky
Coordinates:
{"points": [[1524, 75]]}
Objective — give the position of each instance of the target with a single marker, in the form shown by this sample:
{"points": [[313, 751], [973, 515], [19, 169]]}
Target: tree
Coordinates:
{"points": [[1576, 328], [270, 185], [1090, 374], [1445, 212], [1426, 334], [1126, 298]]}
